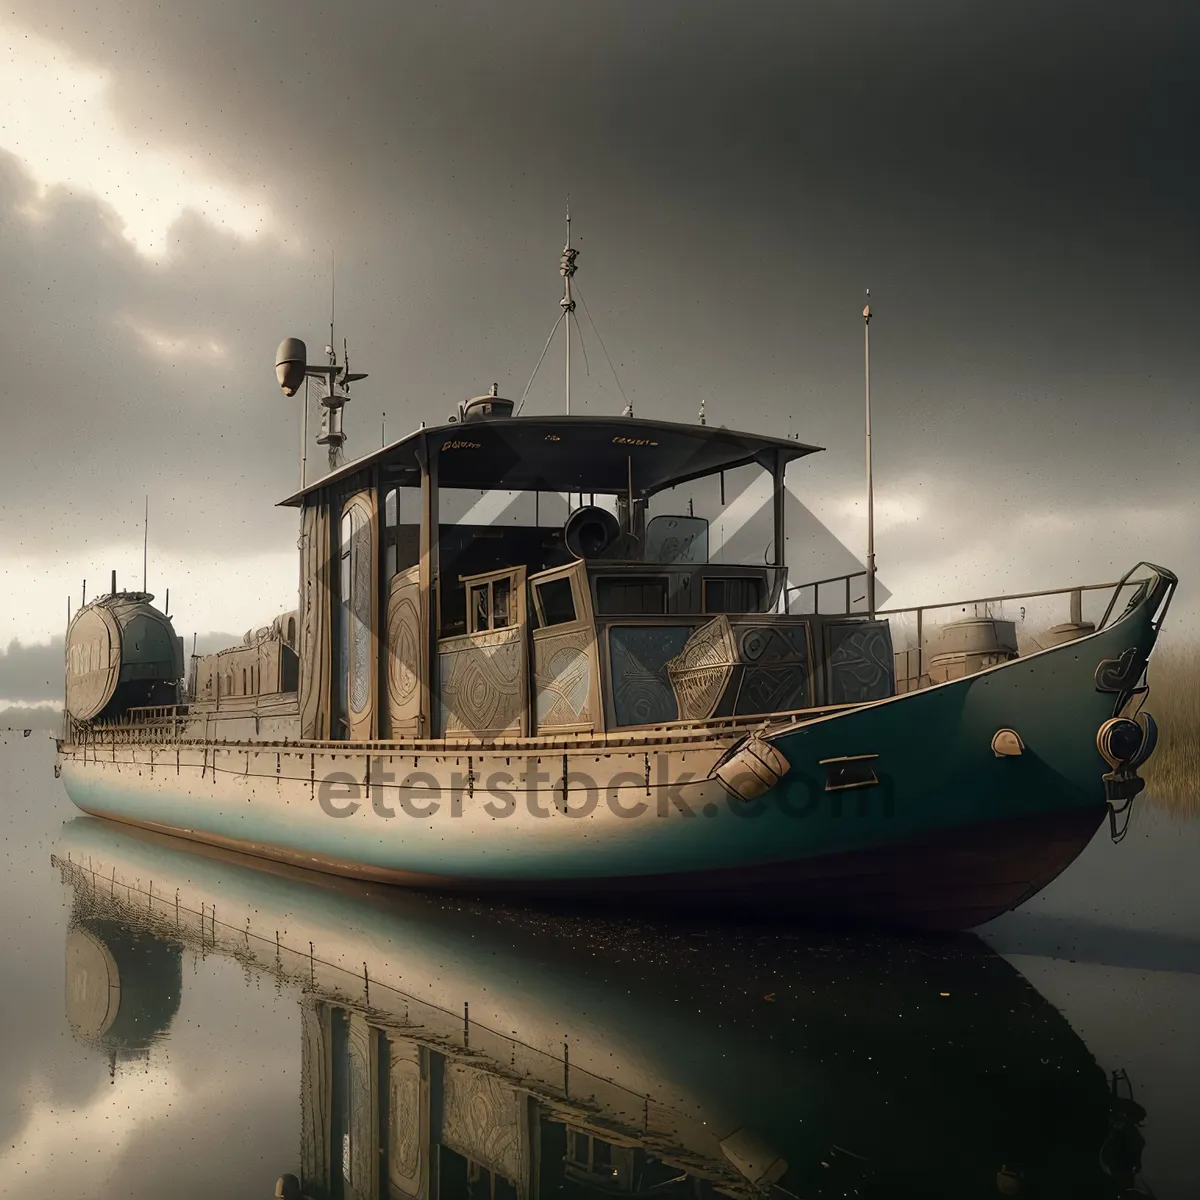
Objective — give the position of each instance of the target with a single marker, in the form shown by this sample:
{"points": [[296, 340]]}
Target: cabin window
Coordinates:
{"points": [[401, 530], [490, 605], [556, 601], [733, 595], [482, 533], [479, 608], [579, 1152], [501, 603], [672, 539], [633, 596], [389, 533], [730, 518]]}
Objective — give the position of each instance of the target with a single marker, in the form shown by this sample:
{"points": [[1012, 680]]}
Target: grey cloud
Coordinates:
{"points": [[1012, 183]]}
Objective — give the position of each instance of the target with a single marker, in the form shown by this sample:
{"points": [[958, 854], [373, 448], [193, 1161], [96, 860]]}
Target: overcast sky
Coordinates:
{"points": [[1017, 184]]}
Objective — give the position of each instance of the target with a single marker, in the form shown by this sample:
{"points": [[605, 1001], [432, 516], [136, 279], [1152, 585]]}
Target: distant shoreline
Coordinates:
{"points": [[41, 718]]}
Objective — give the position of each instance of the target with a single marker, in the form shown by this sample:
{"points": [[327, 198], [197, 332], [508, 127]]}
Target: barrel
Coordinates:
{"points": [[964, 647]]}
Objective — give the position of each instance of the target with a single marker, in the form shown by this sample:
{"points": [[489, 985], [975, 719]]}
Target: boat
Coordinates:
{"points": [[568, 655], [452, 1049]]}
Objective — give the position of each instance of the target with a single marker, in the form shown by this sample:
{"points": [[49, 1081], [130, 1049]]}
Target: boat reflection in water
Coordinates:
{"points": [[452, 1050]]}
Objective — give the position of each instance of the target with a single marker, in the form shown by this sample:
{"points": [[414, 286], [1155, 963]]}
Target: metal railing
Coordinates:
{"points": [[816, 586], [909, 680], [146, 714]]}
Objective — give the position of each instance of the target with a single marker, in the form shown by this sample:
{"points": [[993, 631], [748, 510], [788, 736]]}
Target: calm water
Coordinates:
{"points": [[177, 1023]]}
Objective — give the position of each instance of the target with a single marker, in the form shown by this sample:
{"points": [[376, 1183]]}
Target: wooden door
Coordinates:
{"points": [[566, 666], [483, 674]]}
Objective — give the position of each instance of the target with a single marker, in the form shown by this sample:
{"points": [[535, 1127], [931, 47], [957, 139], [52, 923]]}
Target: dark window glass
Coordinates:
{"points": [[579, 1150], [479, 606], [732, 595], [347, 533], [501, 603], [454, 610], [616, 596], [558, 605]]}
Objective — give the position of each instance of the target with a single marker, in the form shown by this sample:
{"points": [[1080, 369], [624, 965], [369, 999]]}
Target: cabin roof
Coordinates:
{"points": [[565, 453]]}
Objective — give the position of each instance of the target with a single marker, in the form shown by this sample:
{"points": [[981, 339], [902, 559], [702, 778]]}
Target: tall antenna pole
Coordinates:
{"points": [[332, 297], [145, 541], [304, 439], [870, 474], [566, 269]]}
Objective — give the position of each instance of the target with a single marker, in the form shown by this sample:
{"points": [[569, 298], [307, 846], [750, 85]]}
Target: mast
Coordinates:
{"points": [[870, 476], [566, 269]]}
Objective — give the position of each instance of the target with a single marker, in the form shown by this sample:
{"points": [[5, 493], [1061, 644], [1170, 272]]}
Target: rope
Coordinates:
{"points": [[603, 347], [586, 365], [539, 361]]}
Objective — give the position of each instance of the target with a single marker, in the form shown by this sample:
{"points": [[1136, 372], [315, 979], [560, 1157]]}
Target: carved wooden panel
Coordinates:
{"points": [[316, 582], [362, 667], [775, 677], [482, 683], [564, 677], [860, 662], [361, 1169], [316, 1090], [481, 1119], [701, 671], [638, 657], [407, 1123], [404, 642]]}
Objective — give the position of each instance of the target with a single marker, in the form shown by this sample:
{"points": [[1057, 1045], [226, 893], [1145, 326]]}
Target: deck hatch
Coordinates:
{"points": [[850, 771]]}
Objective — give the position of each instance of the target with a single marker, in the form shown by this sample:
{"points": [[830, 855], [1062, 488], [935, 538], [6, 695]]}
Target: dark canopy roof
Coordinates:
{"points": [[563, 454]]}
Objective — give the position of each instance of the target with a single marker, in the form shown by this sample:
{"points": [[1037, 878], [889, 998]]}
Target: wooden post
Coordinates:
{"points": [[920, 646], [383, 720], [779, 498], [428, 575]]}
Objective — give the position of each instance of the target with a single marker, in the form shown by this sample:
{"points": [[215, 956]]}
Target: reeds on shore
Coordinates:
{"points": [[1172, 773]]}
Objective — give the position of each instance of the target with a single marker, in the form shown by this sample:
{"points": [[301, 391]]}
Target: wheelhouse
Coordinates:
{"points": [[521, 577]]}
